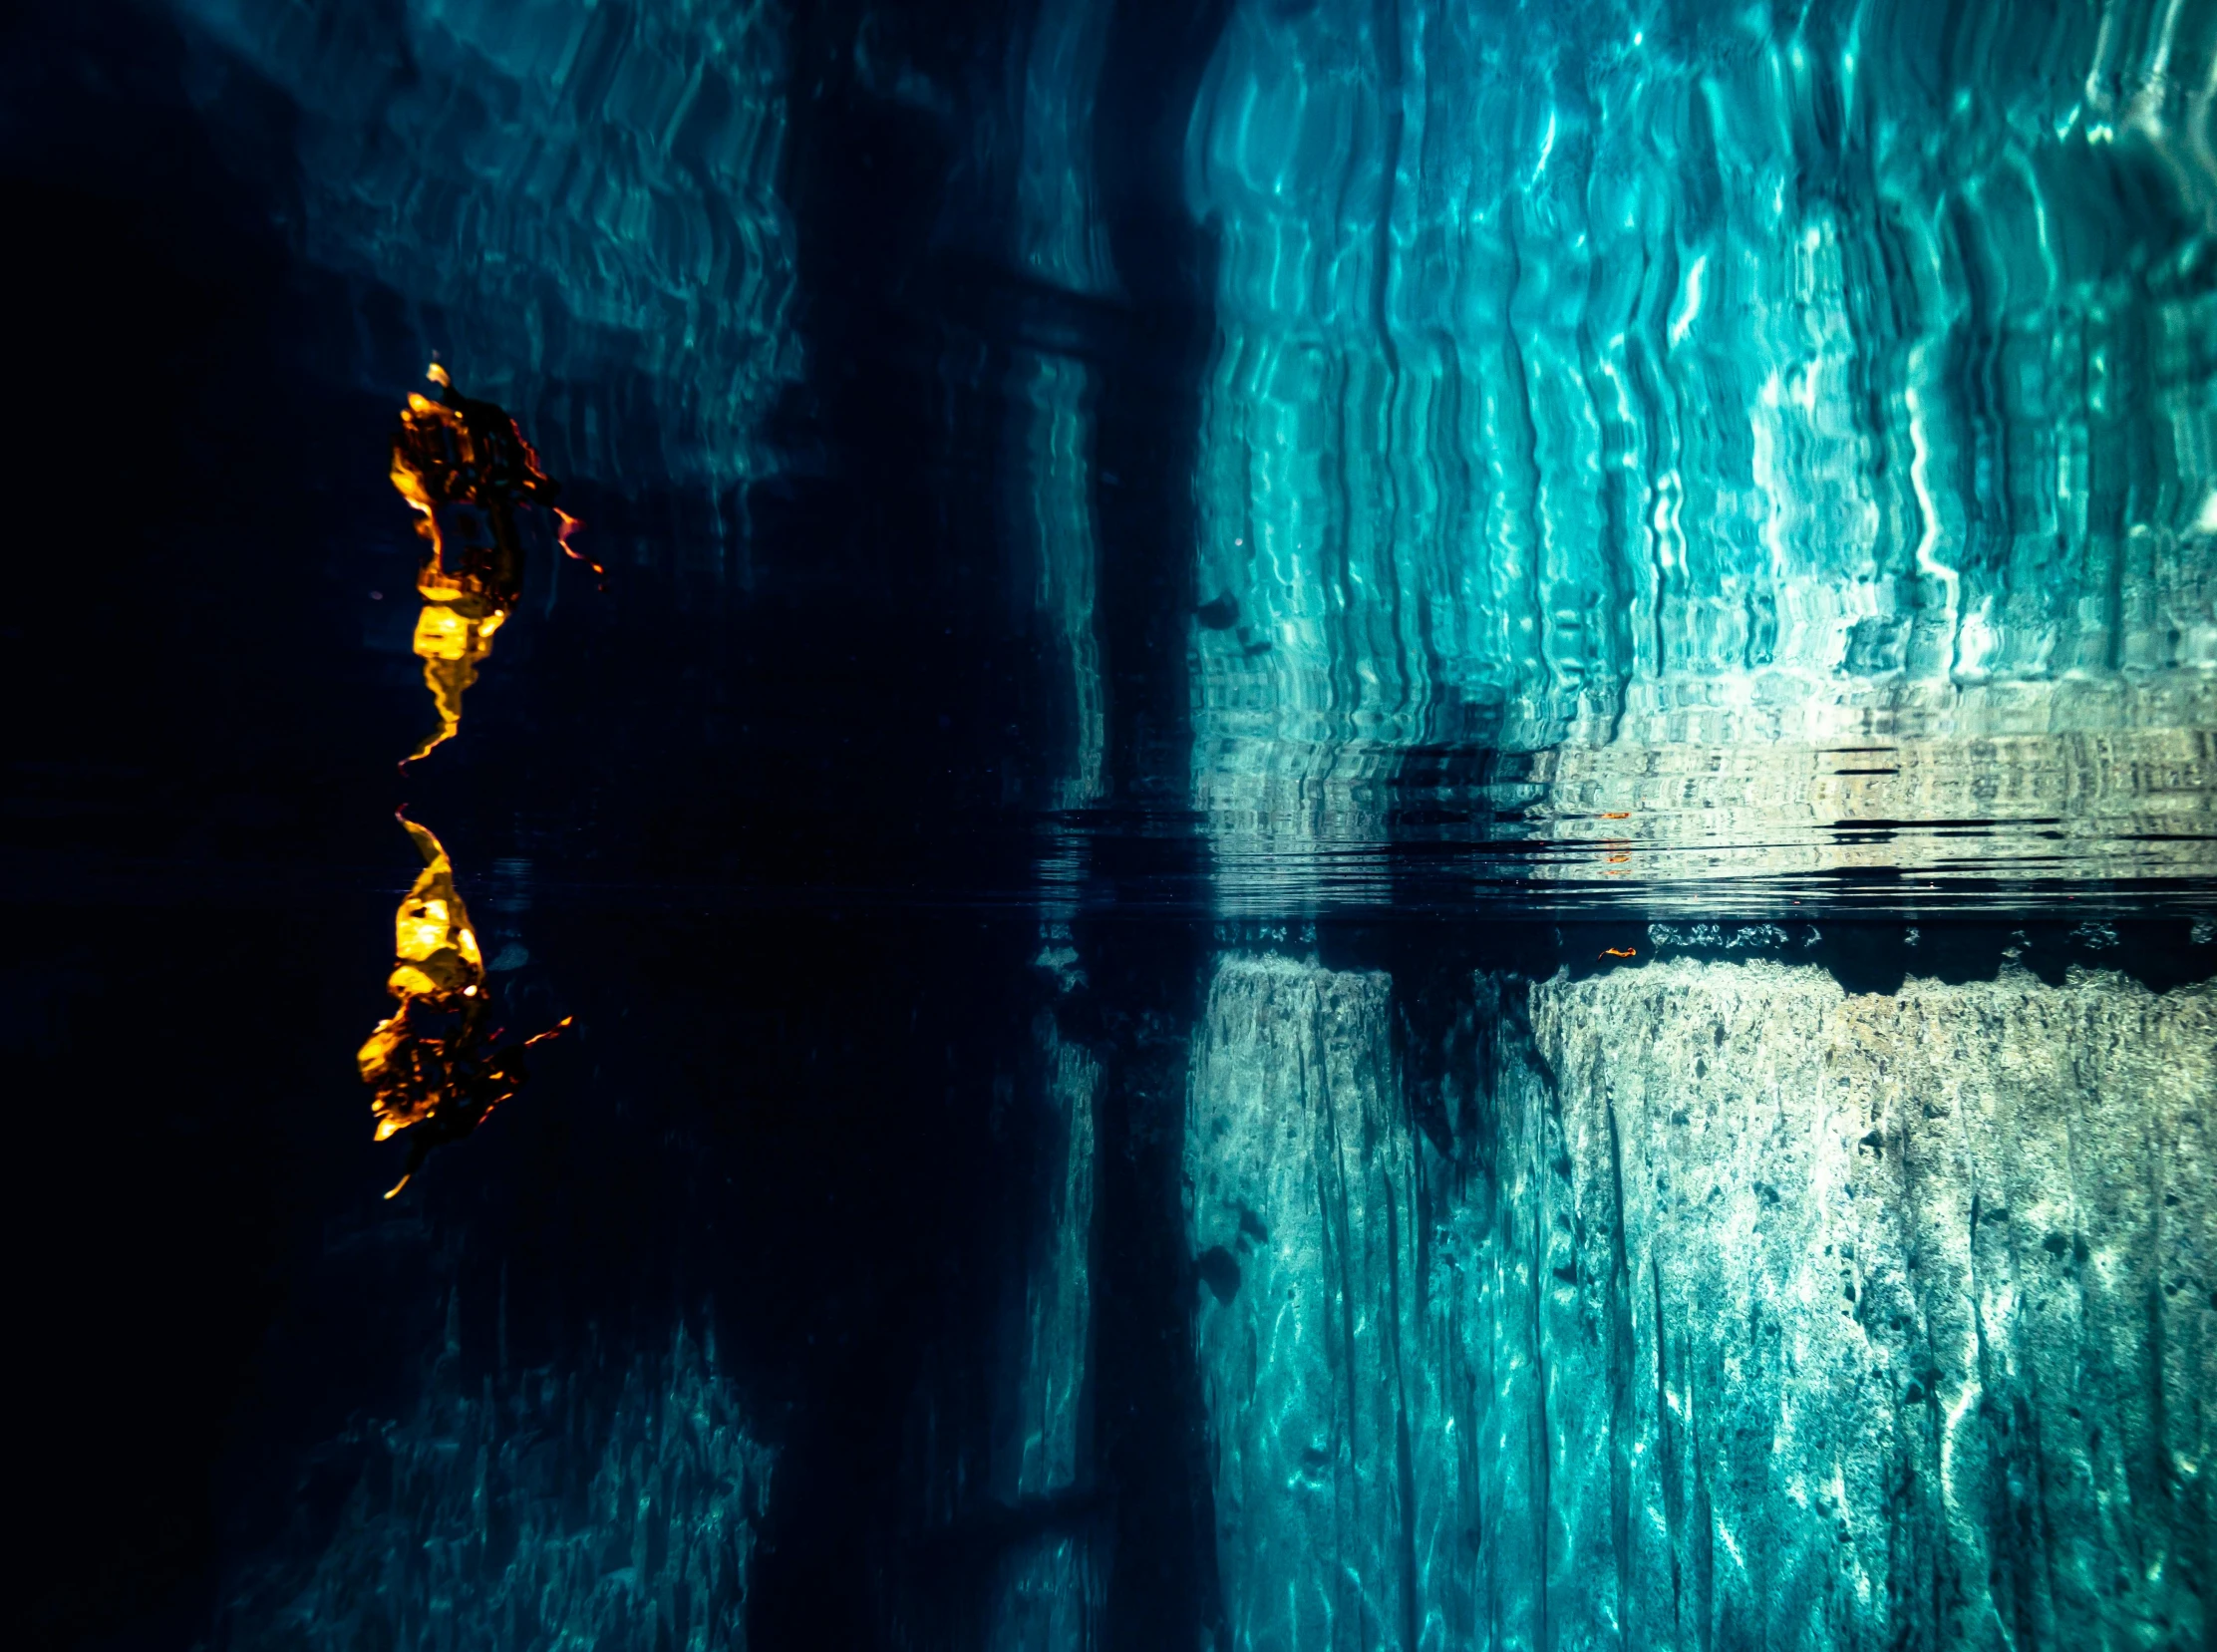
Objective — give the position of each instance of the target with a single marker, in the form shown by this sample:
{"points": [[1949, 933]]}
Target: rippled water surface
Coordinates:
{"points": [[1356, 823]]}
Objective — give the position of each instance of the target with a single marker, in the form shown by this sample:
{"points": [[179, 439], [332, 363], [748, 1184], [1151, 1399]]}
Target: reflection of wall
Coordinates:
{"points": [[1058, 239], [1652, 373], [1050, 1586], [1044, 1448], [1048, 453], [1732, 1310], [586, 195], [1059, 234], [535, 1514], [2133, 799], [1006, 1550], [1019, 297]]}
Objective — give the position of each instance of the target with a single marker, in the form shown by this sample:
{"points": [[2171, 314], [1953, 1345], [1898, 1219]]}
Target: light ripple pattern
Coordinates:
{"points": [[558, 1508], [1622, 376], [581, 197]]}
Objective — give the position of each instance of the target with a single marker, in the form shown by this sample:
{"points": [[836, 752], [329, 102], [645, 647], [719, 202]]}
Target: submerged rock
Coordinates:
{"points": [[1731, 1310]]}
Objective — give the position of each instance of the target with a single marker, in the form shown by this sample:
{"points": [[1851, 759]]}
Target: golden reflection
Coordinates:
{"points": [[466, 466], [437, 1065]]}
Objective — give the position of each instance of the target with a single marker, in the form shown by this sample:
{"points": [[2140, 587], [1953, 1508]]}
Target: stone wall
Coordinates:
{"points": [[1729, 1310]]}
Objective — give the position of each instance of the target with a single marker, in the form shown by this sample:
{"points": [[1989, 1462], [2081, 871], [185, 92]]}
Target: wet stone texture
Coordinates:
{"points": [[1724, 1309]]}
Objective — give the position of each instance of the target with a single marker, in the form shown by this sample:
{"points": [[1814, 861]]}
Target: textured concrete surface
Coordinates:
{"points": [[1729, 1310]]}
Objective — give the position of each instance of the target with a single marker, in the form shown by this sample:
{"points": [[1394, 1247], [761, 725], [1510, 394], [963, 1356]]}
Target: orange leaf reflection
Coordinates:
{"points": [[464, 465], [437, 1065]]}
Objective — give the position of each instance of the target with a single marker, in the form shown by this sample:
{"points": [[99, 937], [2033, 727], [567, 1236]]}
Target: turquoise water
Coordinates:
{"points": [[1391, 825]]}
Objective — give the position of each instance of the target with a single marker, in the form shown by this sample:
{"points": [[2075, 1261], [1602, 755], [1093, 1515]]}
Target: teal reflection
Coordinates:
{"points": [[1619, 382]]}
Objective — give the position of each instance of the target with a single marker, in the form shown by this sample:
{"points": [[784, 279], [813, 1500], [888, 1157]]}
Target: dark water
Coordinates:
{"points": [[1388, 826]]}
